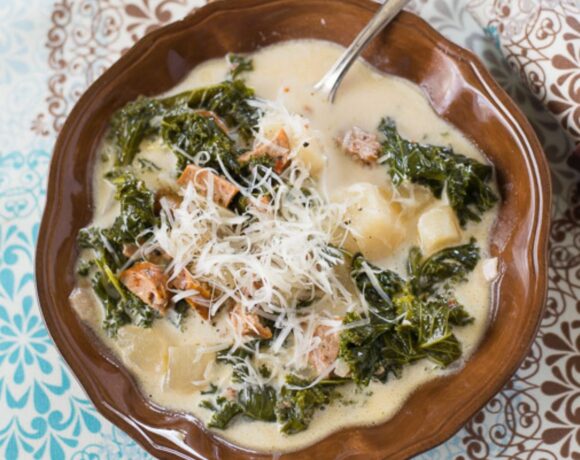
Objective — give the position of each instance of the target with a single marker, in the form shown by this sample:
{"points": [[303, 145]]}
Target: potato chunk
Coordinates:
{"points": [[144, 349], [310, 153], [438, 228], [375, 221], [186, 368]]}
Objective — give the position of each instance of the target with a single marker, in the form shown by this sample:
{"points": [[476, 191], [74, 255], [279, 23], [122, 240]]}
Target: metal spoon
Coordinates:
{"points": [[331, 81]]}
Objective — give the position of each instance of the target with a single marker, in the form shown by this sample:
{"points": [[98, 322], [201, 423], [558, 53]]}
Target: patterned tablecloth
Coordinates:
{"points": [[50, 51]]}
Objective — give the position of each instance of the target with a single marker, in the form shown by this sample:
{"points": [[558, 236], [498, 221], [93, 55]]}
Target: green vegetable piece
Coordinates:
{"points": [[238, 65], [465, 180], [188, 134], [448, 265], [224, 414], [130, 125], [229, 100], [407, 320], [121, 306], [296, 407], [258, 403], [378, 286], [137, 208]]}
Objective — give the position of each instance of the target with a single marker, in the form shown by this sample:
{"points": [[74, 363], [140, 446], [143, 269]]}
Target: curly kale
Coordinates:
{"points": [[121, 306], [132, 124], [258, 402], [136, 215], [224, 412], [448, 265], [137, 204], [238, 65], [188, 134], [408, 319], [297, 406], [439, 168], [253, 401], [229, 100]]}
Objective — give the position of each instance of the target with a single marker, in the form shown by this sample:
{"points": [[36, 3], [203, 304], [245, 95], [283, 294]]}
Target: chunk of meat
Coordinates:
{"points": [[278, 150], [129, 249], [361, 145], [148, 282], [327, 351], [184, 281], [223, 190], [249, 323], [172, 199]]}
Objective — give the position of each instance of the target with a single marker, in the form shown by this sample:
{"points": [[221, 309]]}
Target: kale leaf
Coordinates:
{"points": [[224, 413], [189, 133], [409, 319], [121, 306], [131, 124], [448, 265], [258, 402], [296, 407], [137, 204], [378, 286], [439, 168], [143, 117], [238, 65], [229, 100], [136, 215]]}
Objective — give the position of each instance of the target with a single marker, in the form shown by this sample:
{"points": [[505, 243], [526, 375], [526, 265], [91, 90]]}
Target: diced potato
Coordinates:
{"points": [[438, 228], [185, 368], [375, 221], [413, 199], [144, 349], [310, 153]]}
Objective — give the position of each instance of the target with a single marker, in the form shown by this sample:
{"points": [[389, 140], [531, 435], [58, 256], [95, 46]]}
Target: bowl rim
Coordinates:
{"points": [[537, 249]]}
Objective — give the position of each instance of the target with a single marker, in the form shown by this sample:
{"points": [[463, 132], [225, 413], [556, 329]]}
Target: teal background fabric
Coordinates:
{"points": [[50, 51]]}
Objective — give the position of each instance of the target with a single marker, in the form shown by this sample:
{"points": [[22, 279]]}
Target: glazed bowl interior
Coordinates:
{"points": [[460, 91]]}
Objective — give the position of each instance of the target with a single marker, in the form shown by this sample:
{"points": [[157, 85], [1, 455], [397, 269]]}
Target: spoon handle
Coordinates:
{"points": [[331, 81]]}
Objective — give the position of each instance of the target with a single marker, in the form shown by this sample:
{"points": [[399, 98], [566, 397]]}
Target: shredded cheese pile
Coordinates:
{"points": [[271, 260]]}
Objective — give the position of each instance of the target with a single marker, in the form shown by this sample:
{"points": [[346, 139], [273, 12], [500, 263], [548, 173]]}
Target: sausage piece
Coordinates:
{"points": [[278, 150], [249, 323], [223, 190], [326, 352], [148, 282], [184, 281], [361, 145]]}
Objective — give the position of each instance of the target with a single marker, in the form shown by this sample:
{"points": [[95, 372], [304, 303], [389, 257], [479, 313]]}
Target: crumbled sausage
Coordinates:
{"points": [[361, 145], [129, 249], [148, 282], [326, 352], [172, 199], [184, 281], [278, 150], [223, 190], [249, 323]]}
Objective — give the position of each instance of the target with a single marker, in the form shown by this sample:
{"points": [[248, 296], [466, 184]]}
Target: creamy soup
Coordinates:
{"points": [[333, 154]]}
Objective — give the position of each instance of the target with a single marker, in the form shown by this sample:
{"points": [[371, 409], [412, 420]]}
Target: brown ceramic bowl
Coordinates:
{"points": [[460, 90]]}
